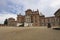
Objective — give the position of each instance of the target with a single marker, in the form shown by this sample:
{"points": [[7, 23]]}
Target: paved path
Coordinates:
{"points": [[29, 33]]}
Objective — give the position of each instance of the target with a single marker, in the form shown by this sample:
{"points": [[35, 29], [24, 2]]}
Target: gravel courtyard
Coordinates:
{"points": [[29, 33]]}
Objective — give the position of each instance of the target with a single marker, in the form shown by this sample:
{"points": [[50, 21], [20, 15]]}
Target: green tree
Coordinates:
{"points": [[5, 22]]}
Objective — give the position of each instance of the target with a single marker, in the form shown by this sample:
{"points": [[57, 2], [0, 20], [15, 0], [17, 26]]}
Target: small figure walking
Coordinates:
{"points": [[49, 25]]}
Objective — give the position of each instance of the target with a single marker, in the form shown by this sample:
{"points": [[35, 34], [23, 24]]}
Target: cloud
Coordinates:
{"points": [[9, 9], [49, 7], [5, 15], [13, 7], [55, 3]]}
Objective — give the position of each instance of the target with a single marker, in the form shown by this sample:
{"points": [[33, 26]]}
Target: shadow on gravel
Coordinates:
{"points": [[56, 28]]}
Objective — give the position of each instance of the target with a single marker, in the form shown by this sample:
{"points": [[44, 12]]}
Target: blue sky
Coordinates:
{"points": [[10, 8]]}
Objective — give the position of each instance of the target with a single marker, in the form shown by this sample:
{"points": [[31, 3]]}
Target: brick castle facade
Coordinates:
{"points": [[34, 18]]}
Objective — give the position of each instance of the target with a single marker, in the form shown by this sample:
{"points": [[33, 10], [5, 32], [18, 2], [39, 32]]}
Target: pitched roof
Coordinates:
{"points": [[57, 11]]}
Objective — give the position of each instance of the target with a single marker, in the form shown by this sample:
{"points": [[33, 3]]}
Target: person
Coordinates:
{"points": [[49, 25]]}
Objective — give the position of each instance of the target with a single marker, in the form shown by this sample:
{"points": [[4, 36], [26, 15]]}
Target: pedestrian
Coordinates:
{"points": [[49, 25]]}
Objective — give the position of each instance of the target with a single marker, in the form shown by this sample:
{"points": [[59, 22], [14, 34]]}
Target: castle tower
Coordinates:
{"points": [[28, 12], [35, 17], [12, 22], [28, 17], [20, 19]]}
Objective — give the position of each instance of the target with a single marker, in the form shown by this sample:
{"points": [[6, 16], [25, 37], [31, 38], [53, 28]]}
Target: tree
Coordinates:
{"points": [[5, 22]]}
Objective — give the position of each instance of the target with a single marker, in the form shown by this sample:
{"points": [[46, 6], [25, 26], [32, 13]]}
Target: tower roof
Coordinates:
{"points": [[28, 10], [11, 18], [41, 14]]}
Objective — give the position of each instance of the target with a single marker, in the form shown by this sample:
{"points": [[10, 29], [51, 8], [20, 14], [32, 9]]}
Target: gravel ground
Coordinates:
{"points": [[29, 33]]}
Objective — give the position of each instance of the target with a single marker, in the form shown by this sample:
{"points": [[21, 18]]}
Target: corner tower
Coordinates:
{"points": [[28, 12], [28, 17]]}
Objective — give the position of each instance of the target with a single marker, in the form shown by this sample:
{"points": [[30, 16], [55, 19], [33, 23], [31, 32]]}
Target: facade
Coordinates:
{"points": [[12, 22], [57, 14], [34, 18]]}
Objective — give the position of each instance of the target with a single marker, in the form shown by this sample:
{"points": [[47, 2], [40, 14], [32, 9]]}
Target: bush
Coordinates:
{"points": [[5, 22]]}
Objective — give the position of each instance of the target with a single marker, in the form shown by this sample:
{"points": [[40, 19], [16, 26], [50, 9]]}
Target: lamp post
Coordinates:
{"points": [[59, 21]]}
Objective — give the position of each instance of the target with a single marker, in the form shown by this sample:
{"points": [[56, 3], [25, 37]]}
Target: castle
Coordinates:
{"points": [[34, 18]]}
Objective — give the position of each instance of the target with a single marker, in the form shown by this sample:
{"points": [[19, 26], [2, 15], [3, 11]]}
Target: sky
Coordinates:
{"points": [[10, 8]]}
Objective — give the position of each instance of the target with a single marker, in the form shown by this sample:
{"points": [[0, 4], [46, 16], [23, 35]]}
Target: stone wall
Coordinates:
{"points": [[34, 18]]}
